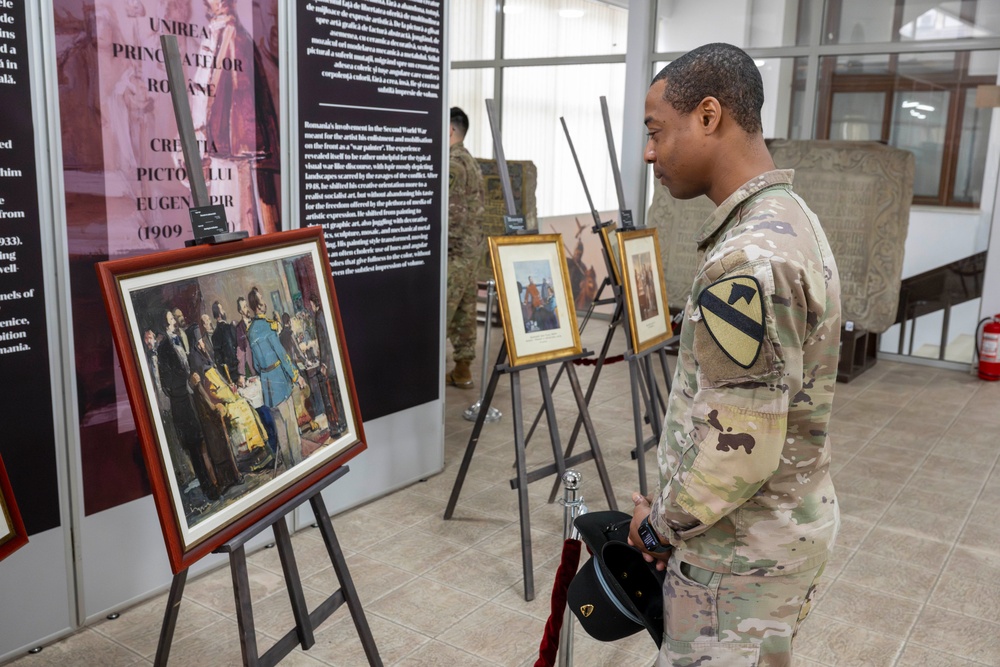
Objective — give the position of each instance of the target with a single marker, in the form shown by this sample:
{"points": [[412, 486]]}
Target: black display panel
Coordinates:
{"points": [[28, 442], [369, 132]]}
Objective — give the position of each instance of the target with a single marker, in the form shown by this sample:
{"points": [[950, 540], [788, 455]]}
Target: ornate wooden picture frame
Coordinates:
{"points": [[536, 304], [12, 533], [238, 407], [645, 289]]}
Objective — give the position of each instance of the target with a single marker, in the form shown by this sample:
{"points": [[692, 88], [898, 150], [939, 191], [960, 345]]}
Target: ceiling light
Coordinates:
{"points": [[925, 107], [759, 63], [909, 105]]}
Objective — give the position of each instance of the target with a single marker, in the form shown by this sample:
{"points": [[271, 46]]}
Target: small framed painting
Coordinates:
{"points": [[536, 303], [645, 290]]}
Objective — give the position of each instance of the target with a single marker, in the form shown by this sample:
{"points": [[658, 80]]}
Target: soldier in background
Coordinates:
{"points": [[466, 207], [746, 512]]}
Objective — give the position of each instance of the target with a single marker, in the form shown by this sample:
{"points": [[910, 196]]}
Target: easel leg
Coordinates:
{"points": [[522, 486], [294, 583], [244, 607], [484, 408], [598, 367], [550, 415], [588, 426], [170, 618], [344, 577], [633, 375]]}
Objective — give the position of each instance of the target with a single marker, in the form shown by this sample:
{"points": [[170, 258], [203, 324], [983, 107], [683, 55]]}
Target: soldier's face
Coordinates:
{"points": [[149, 338], [675, 146]]}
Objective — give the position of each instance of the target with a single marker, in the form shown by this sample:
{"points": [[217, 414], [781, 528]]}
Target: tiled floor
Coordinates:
{"points": [[914, 579]]}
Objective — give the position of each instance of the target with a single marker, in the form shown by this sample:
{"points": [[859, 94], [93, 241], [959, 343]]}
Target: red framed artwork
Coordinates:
{"points": [[234, 361], [12, 534]]}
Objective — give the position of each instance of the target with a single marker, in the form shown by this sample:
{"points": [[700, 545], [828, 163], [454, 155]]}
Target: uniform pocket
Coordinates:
{"points": [[718, 654]]}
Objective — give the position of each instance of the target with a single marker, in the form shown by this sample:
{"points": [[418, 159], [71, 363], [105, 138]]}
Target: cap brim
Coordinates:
{"points": [[638, 585]]}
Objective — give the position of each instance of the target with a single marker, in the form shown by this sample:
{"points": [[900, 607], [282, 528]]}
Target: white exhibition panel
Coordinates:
{"points": [[35, 590]]}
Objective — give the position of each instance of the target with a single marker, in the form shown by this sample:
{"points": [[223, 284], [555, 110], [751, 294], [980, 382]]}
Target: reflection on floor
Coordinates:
{"points": [[914, 579]]}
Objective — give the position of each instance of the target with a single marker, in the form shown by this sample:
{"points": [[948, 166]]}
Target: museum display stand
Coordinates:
{"points": [[514, 226], [305, 621]]}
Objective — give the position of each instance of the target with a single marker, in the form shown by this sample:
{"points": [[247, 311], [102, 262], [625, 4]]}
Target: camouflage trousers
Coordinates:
{"points": [[460, 312], [729, 620]]}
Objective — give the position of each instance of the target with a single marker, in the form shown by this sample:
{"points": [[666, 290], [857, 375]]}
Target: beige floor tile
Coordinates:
{"points": [[889, 575], [958, 635], [138, 628], [435, 654], [832, 642], [853, 531], [494, 632], [413, 550], [859, 506], [919, 549], [215, 589], [360, 528], [970, 584], [426, 606], [919, 656], [372, 578], [862, 466], [876, 611], [85, 648], [217, 643], [477, 573], [941, 467], [917, 522], [466, 527], [339, 644]]}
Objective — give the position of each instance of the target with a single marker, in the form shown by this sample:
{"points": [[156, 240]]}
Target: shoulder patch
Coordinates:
{"points": [[733, 313]]}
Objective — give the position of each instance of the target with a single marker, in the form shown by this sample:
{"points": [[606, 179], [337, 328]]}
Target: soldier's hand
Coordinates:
{"points": [[641, 511]]}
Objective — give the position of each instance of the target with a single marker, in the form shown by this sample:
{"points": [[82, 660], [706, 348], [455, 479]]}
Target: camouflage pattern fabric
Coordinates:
{"points": [[465, 247], [722, 620], [744, 458]]}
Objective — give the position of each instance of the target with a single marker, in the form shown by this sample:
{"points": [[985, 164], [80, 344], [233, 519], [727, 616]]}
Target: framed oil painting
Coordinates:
{"points": [[239, 404], [536, 304], [12, 534], [645, 290]]}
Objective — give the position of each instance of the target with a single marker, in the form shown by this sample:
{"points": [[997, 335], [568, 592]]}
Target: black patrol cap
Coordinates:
{"points": [[616, 593]]}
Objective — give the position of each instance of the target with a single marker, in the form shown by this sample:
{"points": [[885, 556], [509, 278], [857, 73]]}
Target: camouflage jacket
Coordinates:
{"points": [[466, 203], [744, 457]]}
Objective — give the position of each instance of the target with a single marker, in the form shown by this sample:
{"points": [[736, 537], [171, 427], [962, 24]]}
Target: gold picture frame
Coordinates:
{"points": [[609, 239], [536, 304], [645, 289]]}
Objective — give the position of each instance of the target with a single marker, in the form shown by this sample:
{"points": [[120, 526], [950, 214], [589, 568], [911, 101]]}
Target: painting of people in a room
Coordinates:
{"points": [[244, 396]]}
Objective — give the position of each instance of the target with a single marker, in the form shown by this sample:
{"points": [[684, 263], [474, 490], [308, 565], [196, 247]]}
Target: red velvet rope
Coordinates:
{"points": [[593, 362], [567, 570]]}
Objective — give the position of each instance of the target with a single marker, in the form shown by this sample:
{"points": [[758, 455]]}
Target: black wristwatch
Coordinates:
{"points": [[649, 538]]}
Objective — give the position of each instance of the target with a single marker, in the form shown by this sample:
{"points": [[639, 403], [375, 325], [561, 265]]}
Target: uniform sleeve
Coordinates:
{"points": [[457, 178], [750, 321]]}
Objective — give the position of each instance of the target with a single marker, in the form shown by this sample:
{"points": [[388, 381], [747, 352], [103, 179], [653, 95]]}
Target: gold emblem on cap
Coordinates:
{"points": [[587, 610]]}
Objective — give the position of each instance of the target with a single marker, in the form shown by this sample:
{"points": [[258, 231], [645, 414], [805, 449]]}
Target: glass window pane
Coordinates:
{"points": [[549, 28], [469, 89], [859, 64], [919, 121], [534, 100], [682, 25], [972, 151], [857, 116], [472, 30], [870, 21]]}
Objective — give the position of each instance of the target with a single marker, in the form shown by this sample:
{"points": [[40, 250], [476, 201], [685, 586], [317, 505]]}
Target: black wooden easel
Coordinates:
{"points": [[561, 461], [305, 621]]}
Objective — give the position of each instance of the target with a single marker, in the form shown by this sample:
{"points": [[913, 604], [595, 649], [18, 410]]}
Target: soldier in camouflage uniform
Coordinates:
{"points": [[466, 207], [746, 513]]}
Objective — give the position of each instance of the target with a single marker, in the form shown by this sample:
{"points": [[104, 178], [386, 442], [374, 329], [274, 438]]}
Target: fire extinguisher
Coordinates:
{"points": [[988, 348]]}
